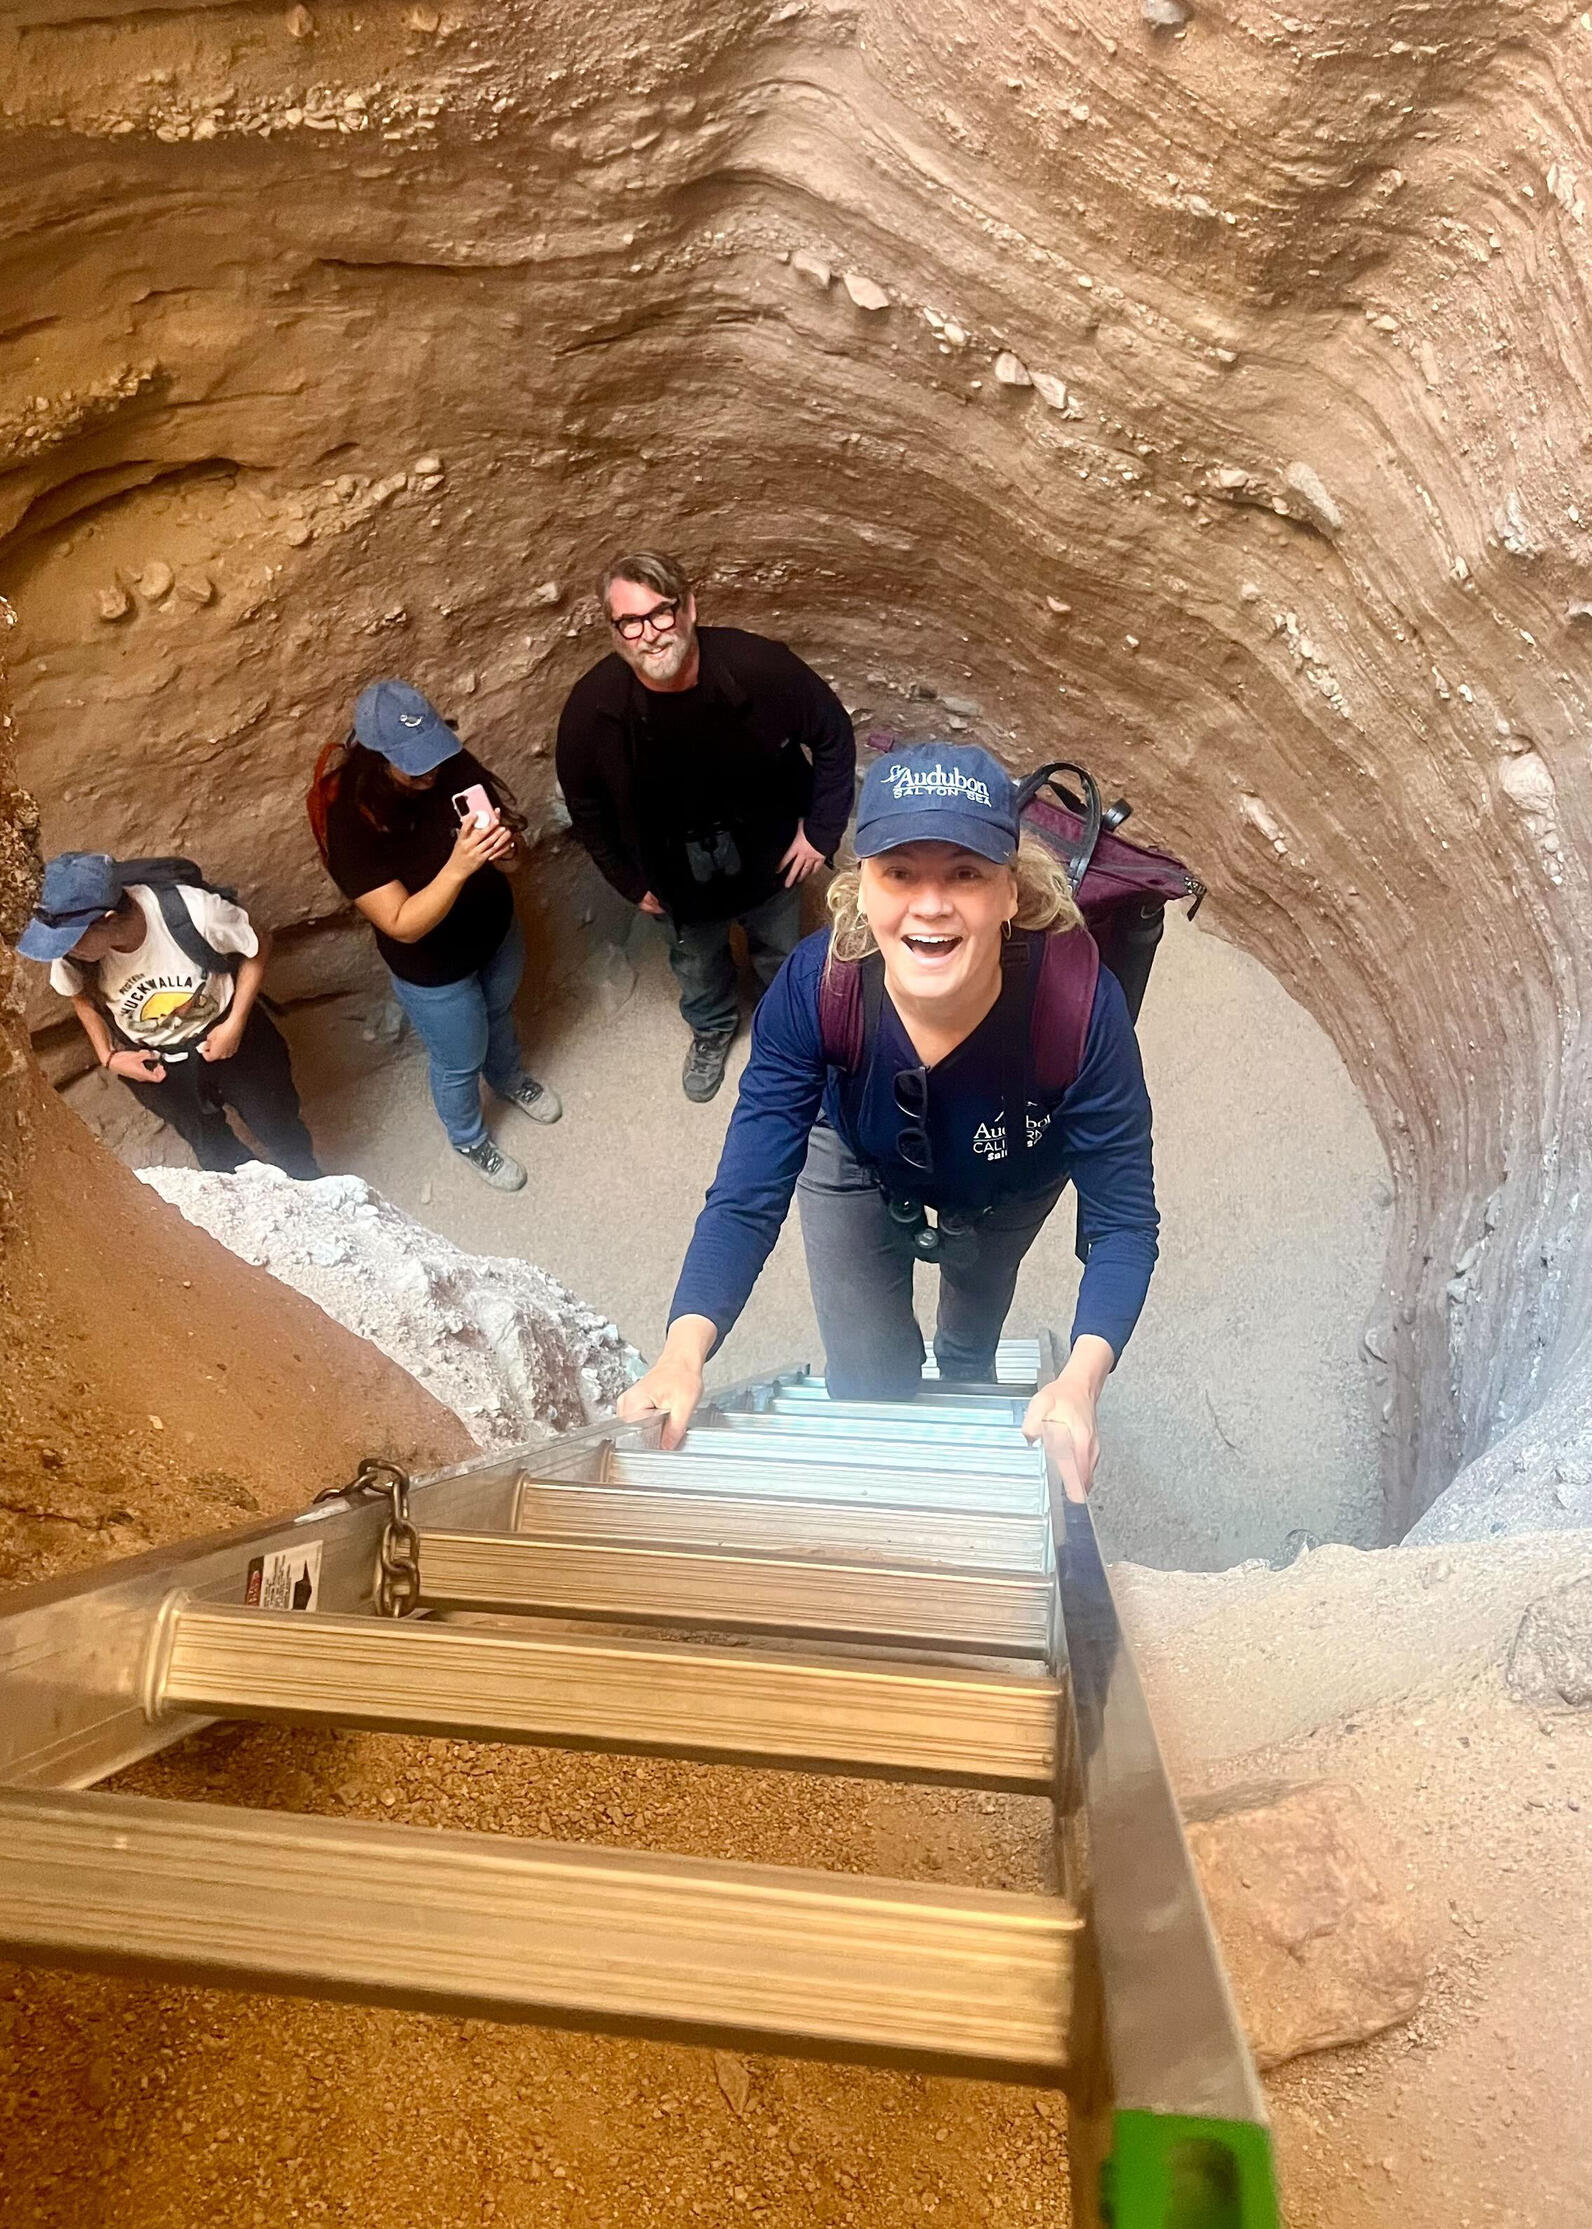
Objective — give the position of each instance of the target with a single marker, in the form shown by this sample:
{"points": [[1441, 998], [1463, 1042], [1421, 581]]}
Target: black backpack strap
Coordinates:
{"points": [[1087, 806], [871, 974], [1017, 1000], [185, 933]]}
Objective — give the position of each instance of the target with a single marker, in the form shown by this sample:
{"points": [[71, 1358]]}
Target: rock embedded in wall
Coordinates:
{"points": [[1551, 1661], [1317, 1943], [767, 287]]}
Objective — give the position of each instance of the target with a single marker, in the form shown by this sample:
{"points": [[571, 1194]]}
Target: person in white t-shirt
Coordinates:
{"points": [[165, 981]]}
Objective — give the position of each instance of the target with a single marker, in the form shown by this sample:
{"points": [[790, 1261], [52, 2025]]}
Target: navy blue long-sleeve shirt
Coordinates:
{"points": [[1097, 1134]]}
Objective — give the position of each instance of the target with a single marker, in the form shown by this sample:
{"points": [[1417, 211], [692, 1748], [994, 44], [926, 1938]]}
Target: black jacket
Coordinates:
{"points": [[783, 739]]}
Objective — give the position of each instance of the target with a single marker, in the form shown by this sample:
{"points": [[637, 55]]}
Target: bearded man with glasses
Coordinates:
{"points": [[709, 773]]}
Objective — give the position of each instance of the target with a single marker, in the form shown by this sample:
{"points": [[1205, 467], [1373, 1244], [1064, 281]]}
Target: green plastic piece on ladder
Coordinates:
{"points": [[1167, 2171]]}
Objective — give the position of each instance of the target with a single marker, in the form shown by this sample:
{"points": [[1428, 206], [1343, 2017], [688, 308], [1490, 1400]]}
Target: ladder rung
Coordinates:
{"points": [[794, 1401], [992, 1613], [478, 1684], [861, 1431], [751, 1476], [488, 1926], [783, 1441], [1022, 1377], [955, 1392], [556, 1509]]}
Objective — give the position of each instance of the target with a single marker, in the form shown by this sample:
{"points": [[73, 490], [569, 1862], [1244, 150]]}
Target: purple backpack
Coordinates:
{"points": [[1058, 1015], [1122, 890]]}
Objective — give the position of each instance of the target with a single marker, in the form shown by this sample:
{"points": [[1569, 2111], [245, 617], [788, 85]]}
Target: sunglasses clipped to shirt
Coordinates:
{"points": [[661, 619], [953, 1238]]}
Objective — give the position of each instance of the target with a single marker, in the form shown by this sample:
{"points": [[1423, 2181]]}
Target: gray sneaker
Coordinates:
{"points": [[500, 1169], [704, 1063], [540, 1101]]}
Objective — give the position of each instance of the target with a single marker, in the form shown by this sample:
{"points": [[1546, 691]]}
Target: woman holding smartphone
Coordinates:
{"points": [[422, 838]]}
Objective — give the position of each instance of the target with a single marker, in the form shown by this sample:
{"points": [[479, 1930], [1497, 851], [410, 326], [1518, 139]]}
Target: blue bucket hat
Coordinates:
{"points": [[405, 727], [80, 888], [943, 793]]}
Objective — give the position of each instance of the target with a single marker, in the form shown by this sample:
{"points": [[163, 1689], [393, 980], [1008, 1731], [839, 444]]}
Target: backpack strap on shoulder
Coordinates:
{"points": [[843, 1024], [1069, 969], [185, 934]]}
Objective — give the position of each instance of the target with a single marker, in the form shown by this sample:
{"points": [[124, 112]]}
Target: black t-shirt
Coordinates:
{"points": [[423, 833], [698, 783]]}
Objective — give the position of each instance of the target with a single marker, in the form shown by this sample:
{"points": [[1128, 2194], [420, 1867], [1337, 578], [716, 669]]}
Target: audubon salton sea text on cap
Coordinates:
{"points": [[949, 793]]}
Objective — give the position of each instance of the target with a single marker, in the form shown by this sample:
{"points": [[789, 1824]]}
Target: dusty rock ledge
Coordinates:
{"points": [[511, 1351]]}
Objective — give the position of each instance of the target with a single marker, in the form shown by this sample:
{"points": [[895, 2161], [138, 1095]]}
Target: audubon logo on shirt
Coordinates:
{"points": [[989, 1139]]}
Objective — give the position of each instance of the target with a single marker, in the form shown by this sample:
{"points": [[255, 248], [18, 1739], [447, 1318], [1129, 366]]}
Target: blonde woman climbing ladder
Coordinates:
{"points": [[928, 1078]]}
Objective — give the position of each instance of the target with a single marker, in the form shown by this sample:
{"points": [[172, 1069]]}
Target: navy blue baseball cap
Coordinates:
{"points": [[941, 793], [404, 726], [80, 888]]}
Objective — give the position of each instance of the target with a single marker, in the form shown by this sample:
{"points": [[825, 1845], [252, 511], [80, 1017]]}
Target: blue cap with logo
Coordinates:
{"points": [[940, 793], [80, 888], [405, 727]]}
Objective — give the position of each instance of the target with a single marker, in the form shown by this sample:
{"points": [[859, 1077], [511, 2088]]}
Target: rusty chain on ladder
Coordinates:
{"points": [[398, 1554]]}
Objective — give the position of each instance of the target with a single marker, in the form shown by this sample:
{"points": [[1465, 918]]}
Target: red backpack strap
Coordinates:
{"points": [[1069, 969], [840, 1015], [323, 788]]}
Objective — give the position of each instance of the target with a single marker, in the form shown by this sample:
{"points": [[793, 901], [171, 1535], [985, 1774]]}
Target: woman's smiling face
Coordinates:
{"points": [[937, 913]]}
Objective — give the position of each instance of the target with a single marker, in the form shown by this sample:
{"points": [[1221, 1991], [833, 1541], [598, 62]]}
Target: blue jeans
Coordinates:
{"points": [[468, 1031], [704, 966]]}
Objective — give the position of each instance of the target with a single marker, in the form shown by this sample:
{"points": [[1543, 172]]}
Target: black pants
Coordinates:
{"points": [[257, 1082], [862, 1281]]}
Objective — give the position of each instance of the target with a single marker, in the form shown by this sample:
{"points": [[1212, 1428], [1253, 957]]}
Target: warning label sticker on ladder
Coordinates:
{"points": [[285, 1579]]}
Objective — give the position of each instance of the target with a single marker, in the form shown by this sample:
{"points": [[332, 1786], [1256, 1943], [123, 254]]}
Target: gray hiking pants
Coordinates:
{"points": [[862, 1281]]}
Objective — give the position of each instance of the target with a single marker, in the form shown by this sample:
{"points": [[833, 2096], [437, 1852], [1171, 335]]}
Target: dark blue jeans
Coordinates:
{"points": [[468, 1031], [704, 966]]}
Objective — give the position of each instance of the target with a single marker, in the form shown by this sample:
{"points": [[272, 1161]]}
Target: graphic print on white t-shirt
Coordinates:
{"points": [[156, 995]]}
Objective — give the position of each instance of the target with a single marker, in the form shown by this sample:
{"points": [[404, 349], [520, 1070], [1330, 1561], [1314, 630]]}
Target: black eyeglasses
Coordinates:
{"points": [[661, 619], [912, 1101]]}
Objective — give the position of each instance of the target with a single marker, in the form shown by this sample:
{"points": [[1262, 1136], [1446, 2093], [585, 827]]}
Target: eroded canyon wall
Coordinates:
{"points": [[1208, 403]]}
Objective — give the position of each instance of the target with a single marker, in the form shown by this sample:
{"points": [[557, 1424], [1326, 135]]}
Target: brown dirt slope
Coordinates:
{"points": [[154, 1386]]}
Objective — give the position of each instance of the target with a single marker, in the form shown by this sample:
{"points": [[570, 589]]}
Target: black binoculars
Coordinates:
{"points": [[714, 852], [952, 1241]]}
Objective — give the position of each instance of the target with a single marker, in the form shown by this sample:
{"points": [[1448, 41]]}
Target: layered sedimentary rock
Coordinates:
{"points": [[1205, 401]]}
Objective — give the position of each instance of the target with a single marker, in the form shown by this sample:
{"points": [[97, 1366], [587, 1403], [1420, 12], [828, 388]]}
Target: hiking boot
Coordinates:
{"points": [[500, 1169], [704, 1063], [540, 1101]]}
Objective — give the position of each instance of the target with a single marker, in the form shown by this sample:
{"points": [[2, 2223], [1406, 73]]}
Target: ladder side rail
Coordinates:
{"points": [[1166, 2100], [73, 1651]]}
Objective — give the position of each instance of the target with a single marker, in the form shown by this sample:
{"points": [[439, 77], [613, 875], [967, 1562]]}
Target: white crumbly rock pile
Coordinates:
{"points": [[510, 1350]]}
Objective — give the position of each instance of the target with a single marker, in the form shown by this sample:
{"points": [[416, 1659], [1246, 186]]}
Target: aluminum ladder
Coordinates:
{"points": [[929, 1606]]}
